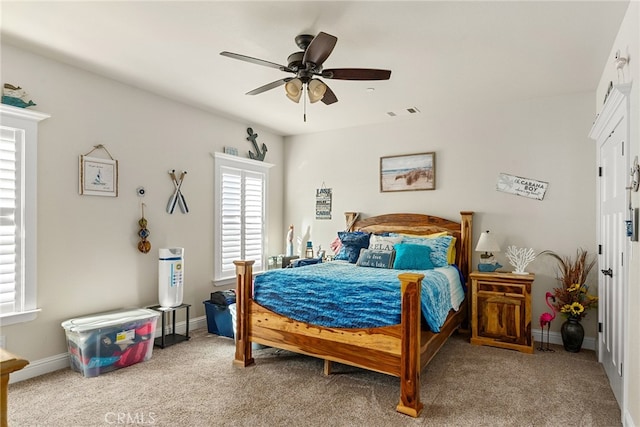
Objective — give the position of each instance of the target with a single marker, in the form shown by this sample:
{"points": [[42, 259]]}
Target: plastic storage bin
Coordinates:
{"points": [[218, 319], [112, 340]]}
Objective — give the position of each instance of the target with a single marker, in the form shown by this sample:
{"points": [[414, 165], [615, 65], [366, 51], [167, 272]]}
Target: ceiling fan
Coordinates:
{"points": [[306, 65]]}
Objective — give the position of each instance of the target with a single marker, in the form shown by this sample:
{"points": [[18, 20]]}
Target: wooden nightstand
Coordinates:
{"points": [[501, 310]]}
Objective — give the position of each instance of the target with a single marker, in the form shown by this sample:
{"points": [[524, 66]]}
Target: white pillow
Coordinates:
{"points": [[383, 243]]}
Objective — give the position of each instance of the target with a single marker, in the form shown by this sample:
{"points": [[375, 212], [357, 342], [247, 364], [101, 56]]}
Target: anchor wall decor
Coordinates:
{"points": [[258, 155]]}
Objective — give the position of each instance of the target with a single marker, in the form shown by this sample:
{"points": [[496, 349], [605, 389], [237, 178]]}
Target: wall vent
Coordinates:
{"points": [[404, 112]]}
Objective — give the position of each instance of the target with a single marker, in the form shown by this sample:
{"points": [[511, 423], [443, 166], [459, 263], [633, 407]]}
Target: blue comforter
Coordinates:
{"points": [[342, 295]]}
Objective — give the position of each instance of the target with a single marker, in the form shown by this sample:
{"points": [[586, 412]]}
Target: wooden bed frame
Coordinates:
{"points": [[401, 350]]}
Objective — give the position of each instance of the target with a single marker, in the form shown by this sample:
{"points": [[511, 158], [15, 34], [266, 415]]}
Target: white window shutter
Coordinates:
{"points": [[10, 139], [18, 213], [240, 214]]}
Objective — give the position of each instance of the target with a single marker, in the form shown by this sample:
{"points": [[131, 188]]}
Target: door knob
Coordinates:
{"points": [[607, 272]]}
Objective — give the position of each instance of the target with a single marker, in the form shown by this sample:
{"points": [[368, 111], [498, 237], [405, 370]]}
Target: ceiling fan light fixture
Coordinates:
{"points": [[316, 90], [293, 89]]}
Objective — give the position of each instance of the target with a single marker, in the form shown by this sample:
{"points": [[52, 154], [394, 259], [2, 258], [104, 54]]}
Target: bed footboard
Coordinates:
{"points": [[392, 350]]}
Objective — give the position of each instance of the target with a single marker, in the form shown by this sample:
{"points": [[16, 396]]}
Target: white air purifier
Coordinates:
{"points": [[170, 276]]}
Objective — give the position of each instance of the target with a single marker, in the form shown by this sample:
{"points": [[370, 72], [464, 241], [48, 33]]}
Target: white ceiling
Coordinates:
{"points": [[443, 55]]}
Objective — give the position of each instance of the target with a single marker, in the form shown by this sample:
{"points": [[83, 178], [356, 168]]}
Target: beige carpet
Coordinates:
{"points": [[194, 384]]}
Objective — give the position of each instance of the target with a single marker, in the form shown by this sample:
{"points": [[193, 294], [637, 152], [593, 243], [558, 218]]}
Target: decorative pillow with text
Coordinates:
{"points": [[375, 258], [383, 243]]}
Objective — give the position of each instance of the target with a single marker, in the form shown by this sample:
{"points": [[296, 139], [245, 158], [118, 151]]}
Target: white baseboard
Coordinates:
{"points": [[627, 421], [61, 361], [40, 367], [589, 343]]}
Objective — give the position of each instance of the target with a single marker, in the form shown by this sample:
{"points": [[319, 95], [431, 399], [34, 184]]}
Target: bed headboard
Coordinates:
{"points": [[420, 224]]}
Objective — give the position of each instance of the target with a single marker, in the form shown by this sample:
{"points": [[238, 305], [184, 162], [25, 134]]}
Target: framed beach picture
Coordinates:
{"points": [[98, 177], [409, 172]]}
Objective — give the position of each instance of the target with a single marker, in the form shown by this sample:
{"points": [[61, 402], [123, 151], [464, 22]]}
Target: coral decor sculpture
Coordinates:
{"points": [[520, 258]]}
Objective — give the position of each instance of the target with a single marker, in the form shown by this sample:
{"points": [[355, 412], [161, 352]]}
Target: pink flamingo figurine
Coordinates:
{"points": [[545, 319]]}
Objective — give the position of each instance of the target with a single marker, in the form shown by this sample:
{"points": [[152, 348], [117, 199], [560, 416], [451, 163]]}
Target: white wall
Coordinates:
{"points": [[543, 139], [88, 260], [628, 43]]}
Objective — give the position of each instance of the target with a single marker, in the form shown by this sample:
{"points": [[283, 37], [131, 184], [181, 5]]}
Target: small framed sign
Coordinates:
{"points": [[323, 203], [98, 177], [519, 186]]}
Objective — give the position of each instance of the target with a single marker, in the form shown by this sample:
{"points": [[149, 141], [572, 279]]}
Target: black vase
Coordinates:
{"points": [[572, 335]]}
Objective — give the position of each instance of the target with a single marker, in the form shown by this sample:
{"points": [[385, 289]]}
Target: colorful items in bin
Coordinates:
{"points": [[108, 341]]}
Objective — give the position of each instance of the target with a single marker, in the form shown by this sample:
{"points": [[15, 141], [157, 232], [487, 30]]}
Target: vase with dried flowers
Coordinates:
{"points": [[572, 297]]}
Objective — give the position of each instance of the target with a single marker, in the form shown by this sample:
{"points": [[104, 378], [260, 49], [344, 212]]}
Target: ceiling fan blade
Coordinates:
{"points": [[269, 86], [329, 97], [319, 49], [255, 61], [356, 74]]}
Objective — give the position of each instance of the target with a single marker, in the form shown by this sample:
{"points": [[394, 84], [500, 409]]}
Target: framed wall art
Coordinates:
{"points": [[409, 172], [98, 177]]}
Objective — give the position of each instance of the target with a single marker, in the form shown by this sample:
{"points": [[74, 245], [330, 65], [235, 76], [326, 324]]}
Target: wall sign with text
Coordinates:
{"points": [[519, 186], [323, 203]]}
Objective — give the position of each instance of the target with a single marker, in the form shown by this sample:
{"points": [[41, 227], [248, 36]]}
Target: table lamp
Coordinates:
{"points": [[487, 244]]}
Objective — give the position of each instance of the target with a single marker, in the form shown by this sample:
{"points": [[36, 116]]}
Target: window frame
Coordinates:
{"points": [[252, 167], [26, 297]]}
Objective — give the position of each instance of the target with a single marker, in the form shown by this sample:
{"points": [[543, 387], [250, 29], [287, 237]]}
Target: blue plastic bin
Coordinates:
{"points": [[218, 319]]}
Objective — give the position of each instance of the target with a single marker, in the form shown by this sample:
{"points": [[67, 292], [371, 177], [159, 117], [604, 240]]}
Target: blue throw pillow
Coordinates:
{"points": [[352, 242], [440, 248], [412, 257]]}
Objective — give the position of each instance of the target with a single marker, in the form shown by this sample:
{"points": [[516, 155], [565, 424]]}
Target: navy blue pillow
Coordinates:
{"points": [[352, 242]]}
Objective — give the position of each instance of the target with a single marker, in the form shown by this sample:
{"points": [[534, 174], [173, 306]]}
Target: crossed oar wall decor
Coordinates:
{"points": [[177, 198]]}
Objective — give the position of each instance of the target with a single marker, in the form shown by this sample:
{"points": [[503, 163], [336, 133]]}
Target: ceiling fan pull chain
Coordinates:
{"points": [[304, 102]]}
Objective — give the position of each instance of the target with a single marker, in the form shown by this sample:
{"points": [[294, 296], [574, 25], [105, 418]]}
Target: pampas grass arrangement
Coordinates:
{"points": [[572, 271]]}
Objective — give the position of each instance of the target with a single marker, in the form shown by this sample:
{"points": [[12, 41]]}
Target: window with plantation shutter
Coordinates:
{"points": [[10, 219], [240, 213], [18, 167]]}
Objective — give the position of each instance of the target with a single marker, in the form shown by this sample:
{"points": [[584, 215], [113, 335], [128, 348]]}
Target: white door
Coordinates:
{"points": [[612, 276]]}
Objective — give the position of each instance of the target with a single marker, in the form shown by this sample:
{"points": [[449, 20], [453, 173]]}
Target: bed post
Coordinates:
{"points": [[466, 231], [410, 404], [466, 235], [244, 282]]}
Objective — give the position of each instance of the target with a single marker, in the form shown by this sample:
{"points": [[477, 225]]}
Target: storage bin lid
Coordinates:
{"points": [[110, 318]]}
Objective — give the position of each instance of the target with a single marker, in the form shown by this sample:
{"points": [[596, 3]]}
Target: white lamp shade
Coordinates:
{"points": [[294, 89], [316, 90], [487, 243]]}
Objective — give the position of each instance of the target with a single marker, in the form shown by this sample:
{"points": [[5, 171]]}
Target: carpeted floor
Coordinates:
{"points": [[195, 384]]}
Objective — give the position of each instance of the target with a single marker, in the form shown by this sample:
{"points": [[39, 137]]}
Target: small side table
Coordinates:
{"points": [[166, 340], [501, 310]]}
